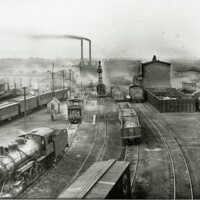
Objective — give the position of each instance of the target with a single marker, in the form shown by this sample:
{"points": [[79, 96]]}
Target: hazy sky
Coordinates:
{"points": [[118, 28]]}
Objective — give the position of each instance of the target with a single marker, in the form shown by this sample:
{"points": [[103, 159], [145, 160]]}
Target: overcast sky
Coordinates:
{"points": [[118, 28]]}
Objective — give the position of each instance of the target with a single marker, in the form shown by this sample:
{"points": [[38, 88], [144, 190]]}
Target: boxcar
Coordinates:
{"points": [[117, 94], [31, 103], [136, 93], [59, 94], [103, 180], [8, 110], [44, 98]]}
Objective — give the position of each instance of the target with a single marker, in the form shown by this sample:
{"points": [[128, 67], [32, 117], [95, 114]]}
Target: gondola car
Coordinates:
{"points": [[75, 110], [136, 93], [130, 125], [24, 160]]}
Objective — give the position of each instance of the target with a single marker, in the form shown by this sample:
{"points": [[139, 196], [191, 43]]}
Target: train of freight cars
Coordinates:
{"points": [[130, 125], [136, 94], [25, 159], [16, 107]]}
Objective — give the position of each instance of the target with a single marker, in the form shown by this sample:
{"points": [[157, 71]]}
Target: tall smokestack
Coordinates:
{"points": [[90, 52]]}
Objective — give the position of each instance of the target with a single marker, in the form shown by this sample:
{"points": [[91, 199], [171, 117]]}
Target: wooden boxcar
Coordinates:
{"points": [[136, 93], [103, 180], [8, 110], [44, 98], [31, 103]]}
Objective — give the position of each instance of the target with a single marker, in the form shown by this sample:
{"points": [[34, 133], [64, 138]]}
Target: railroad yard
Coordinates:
{"points": [[163, 165]]}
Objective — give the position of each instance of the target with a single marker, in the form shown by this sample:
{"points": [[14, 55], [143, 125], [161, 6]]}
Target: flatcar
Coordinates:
{"points": [[103, 180], [75, 110], [24, 160], [136, 93]]}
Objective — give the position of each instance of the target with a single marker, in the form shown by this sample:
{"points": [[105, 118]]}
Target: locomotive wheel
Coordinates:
{"points": [[33, 174], [27, 178], [40, 169]]}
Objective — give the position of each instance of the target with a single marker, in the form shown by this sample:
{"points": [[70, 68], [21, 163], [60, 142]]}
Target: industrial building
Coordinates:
{"points": [[155, 74]]}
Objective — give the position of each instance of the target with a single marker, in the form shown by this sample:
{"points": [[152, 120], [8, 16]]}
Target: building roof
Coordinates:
{"points": [[55, 99], [42, 131], [155, 60]]}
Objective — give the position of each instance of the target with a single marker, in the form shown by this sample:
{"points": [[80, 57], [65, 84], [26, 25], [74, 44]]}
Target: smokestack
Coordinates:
{"points": [[90, 53]]}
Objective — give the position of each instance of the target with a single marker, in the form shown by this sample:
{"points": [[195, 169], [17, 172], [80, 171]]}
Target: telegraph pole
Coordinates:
{"points": [[70, 78], [24, 88], [52, 77], [63, 76]]}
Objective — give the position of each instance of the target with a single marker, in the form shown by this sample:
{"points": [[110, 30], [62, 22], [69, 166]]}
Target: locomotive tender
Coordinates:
{"points": [[24, 160]]}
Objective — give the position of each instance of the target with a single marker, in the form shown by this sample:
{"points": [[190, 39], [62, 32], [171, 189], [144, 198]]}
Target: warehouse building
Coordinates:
{"points": [[155, 74]]}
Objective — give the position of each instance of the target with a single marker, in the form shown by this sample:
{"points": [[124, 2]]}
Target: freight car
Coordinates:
{"points": [[24, 160], [136, 93], [31, 103], [8, 110], [117, 94], [130, 126], [75, 110], [103, 180], [15, 107]]}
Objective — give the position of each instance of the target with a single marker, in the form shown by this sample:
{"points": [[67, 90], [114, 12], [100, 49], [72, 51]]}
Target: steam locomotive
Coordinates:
{"points": [[25, 159]]}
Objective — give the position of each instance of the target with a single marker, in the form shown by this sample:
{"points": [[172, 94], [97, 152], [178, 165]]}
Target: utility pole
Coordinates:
{"points": [[70, 79], [63, 75], [15, 87], [24, 88], [52, 77], [81, 68]]}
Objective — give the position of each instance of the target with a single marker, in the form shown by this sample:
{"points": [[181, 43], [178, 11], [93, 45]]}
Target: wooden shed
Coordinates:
{"points": [[103, 180], [53, 106]]}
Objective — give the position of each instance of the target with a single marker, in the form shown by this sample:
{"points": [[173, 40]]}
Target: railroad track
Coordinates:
{"points": [[91, 149], [134, 161], [181, 185]]}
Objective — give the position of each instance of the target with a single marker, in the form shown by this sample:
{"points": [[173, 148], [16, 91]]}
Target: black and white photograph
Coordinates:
{"points": [[99, 99]]}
